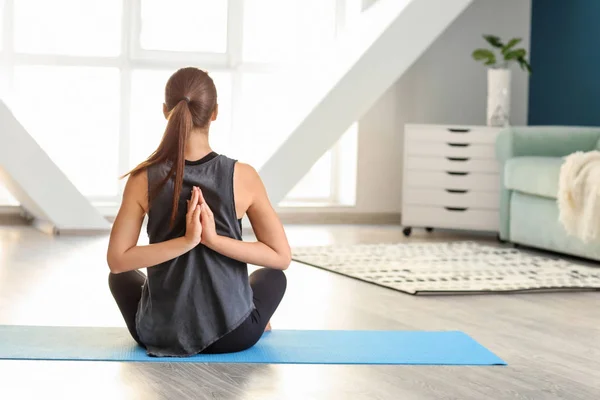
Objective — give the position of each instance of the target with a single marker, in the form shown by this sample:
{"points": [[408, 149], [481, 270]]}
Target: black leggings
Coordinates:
{"points": [[268, 286]]}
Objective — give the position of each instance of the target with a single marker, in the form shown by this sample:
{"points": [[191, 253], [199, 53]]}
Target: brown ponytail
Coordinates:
{"points": [[190, 98]]}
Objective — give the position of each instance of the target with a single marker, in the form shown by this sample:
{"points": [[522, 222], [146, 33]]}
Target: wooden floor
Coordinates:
{"points": [[550, 341]]}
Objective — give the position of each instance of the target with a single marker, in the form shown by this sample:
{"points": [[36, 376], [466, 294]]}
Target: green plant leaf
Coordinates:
{"points": [[485, 55], [494, 41], [524, 64], [515, 54], [512, 43]]}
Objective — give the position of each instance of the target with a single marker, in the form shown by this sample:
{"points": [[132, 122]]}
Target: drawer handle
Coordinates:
{"points": [[459, 209], [458, 158], [459, 144], [457, 173], [457, 191], [457, 130]]}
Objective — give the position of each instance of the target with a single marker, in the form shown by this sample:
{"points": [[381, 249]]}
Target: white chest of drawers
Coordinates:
{"points": [[451, 178]]}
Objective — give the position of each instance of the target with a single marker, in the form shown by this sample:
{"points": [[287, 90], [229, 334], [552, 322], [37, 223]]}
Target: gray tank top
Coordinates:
{"points": [[193, 300]]}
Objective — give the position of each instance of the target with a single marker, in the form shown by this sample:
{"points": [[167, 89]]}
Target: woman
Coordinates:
{"points": [[197, 296]]}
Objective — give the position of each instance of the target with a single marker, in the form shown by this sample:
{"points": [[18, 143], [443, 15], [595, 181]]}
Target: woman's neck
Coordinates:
{"points": [[197, 145]]}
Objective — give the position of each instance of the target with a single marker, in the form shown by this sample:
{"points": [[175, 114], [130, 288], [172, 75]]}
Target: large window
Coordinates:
{"points": [[86, 78]]}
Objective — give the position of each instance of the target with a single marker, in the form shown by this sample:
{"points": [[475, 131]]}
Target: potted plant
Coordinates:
{"points": [[498, 59]]}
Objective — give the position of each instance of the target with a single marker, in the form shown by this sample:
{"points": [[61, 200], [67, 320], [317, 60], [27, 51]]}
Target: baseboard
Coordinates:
{"points": [[13, 220], [331, 218], [49, 228], [16, 216], [13, 216], [339, 218]]}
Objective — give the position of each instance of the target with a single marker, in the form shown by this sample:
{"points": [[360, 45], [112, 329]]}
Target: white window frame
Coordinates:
{"points": [[134, 57]]}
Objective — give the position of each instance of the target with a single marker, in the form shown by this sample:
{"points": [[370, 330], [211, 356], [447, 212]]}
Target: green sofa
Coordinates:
{"points": [[530, 159]]}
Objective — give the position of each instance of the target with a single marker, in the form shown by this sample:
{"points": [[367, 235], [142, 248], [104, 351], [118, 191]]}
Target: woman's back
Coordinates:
{"points": [[194, 299], [198, 295]]}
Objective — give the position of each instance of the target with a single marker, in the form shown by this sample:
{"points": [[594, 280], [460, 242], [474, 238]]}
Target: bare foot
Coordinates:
{"points": [[268, 327]]}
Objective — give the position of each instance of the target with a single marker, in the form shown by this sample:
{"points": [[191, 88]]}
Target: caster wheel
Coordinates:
{"points": [[407, 231], [429, 229]]}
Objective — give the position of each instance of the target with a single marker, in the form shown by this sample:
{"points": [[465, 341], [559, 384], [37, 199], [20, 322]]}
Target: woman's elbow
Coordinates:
{"points": [[113, 264], [285, 261], [115, 268]]}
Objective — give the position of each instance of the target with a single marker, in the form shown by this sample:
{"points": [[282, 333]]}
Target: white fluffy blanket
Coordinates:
{"points": [[579, 195]]}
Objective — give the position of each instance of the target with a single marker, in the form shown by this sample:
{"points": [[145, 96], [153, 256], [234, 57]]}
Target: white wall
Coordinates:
{"points": [[444, 86]]}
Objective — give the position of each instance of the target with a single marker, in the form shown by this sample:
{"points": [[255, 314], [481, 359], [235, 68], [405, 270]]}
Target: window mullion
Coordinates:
{"points": [[340, 25], [134, 27], [7, 26], [7, 52], [340, 16], [335, 174], [235, 43], [130, 13], [63, 60], [235, 32]]}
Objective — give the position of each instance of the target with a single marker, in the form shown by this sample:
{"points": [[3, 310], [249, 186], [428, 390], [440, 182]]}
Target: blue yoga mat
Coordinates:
{"points": [[276, 347]]}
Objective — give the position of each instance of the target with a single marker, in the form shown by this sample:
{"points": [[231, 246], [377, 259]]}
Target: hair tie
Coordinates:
{"points": [[187, 99]]}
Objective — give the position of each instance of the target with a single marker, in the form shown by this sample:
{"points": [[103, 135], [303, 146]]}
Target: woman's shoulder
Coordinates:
{"points": [[137, 187], [245, 172], [247, 186], [139, 179], [246, 179]]}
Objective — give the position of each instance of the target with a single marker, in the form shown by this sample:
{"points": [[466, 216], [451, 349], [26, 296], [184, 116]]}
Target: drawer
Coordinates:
{"points": [[451, 149], [460, 164], [465, 134], [441, 217], [452, 198], [446, 180]]}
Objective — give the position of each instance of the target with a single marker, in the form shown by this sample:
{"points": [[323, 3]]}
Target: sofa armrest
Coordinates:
{"points": [[541, 141], [545, 141]]}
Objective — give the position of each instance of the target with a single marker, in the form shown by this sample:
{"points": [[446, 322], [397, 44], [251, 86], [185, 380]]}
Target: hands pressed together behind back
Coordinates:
{"points": [[200, 220], [193, 226]]}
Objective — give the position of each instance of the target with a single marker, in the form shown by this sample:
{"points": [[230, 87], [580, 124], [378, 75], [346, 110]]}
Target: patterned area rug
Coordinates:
{"points": [[450, 268]]}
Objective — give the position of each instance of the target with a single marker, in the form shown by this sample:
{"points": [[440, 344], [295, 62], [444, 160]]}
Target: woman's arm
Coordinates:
{"points": [[123, 253], [272, 249]]}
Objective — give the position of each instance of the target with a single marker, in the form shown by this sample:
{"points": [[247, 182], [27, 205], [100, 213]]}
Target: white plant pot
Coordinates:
{"points": [[498, 101]]}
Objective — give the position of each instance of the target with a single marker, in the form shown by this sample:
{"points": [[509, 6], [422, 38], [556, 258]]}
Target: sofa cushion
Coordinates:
{"points": [[533, 175]]}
